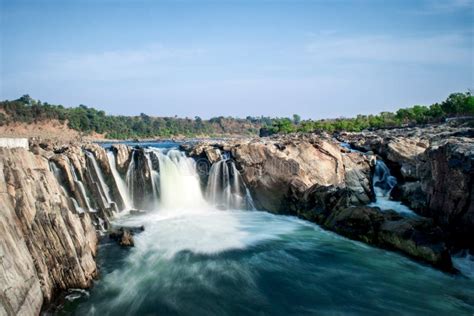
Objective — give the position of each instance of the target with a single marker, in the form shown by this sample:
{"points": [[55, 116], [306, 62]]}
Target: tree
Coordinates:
{"points": [[296, 119]]}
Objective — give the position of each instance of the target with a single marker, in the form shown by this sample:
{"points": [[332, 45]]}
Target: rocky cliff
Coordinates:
{"points": [[55, 200], [46, 246]]}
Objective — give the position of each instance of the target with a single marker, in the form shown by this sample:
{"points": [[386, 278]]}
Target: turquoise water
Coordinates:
{"points": [[207, 262]]}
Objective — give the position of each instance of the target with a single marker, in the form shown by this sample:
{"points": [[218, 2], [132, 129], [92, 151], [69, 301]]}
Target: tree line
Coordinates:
{"points": [[456, 105], [88, 120]]}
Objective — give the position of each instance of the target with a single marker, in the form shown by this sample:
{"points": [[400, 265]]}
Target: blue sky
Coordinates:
{"points": [[208, 58]]}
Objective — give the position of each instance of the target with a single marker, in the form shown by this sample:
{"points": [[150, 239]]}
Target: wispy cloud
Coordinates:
{"points": [[444, 6], [439, 49], [118, 64]]}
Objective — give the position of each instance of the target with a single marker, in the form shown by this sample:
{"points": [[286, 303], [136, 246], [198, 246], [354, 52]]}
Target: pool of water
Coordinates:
{"points": [[210, 262]]}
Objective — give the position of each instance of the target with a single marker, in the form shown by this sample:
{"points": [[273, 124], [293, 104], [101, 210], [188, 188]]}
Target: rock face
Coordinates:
{"points": [[434, 167], [280, 171], [139, 178], [449, 188], [122, 157], [46, 246]]}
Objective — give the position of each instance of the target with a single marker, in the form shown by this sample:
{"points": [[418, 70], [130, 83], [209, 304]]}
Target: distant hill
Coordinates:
{"points": [[28, 117]]}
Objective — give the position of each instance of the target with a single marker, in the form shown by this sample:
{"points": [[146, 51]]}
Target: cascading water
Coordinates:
{"points": [[98, 171], [179, 181], [121, 186], [383, 183], [57, 173], [155, 176], [80, 185], [225, 188], [130, 177]]}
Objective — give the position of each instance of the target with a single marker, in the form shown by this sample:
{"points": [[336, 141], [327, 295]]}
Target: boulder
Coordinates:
{"points": [[277, 170]]}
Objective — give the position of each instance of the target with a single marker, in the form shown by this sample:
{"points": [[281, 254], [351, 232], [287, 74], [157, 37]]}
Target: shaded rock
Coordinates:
{"points": [[139, 178], [415, 237], [418, 238], [360, 223], [450, 188], [410, 194], [122, 156], [124, 236]]}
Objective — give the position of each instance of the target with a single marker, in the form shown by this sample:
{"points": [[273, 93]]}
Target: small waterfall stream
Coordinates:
{"points": [[383, 183], [81, 187], [155, 176], [121, 185], [104, 187], [225, 188]]}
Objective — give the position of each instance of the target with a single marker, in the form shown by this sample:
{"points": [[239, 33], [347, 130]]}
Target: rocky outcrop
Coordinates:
{"points": [[122, 156], [280, 171], [139, 177], [46, 246], [315, 178], [434, 167], [449, 188], [416, 237]]}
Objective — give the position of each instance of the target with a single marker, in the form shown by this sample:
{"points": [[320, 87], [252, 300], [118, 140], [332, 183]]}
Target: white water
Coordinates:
{"points": [[179, 182], [225, 188], [98, 171], [122, 187], [130, 178], [77, 207], [80, 185], [155, 176], [384, 182], [464, 262]]}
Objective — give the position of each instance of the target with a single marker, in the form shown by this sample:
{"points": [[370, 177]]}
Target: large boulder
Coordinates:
{"points": [[277, 169]]}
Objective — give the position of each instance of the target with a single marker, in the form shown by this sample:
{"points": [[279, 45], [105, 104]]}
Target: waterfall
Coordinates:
{"points": [[225, 188], [130, 177], [155, 176], [179, 181], [383, 183], [122, 187], [98, 171], [78, 209], [80, 185]]}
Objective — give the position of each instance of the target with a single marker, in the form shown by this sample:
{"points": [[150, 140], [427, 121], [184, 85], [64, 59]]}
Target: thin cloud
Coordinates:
{"points": [[118, 64], [440, 49]]}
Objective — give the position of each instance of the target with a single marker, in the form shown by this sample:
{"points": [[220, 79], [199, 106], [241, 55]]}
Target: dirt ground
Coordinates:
{"points": [[53, 130]]}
